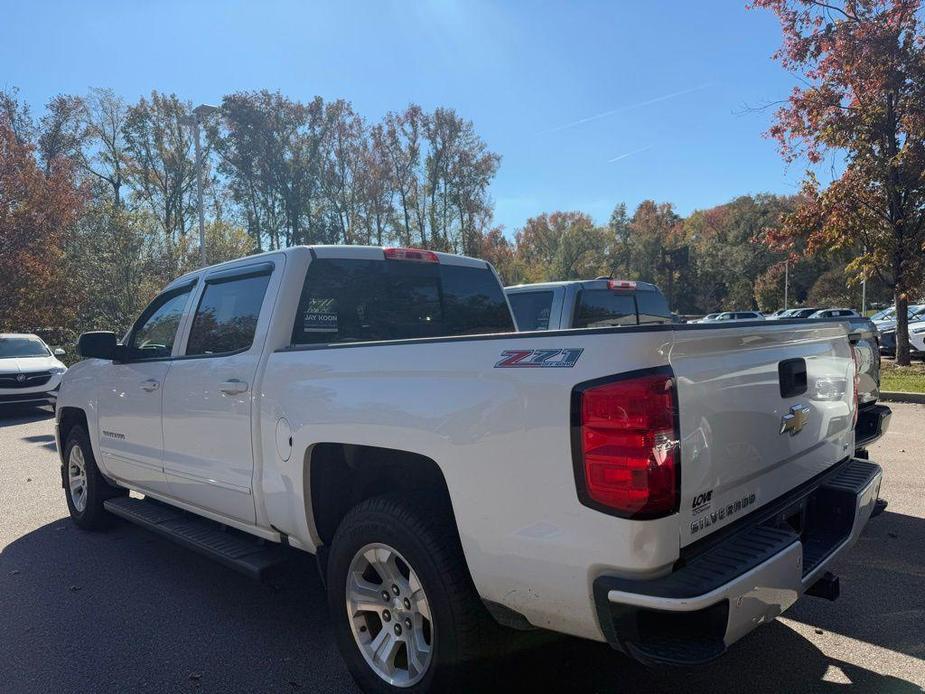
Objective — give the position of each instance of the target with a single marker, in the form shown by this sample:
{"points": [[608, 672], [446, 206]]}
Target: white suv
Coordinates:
{"points": [[30, 371]]}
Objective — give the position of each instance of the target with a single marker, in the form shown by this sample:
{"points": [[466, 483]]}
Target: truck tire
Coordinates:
{"points": [[84, 487], [413, 621]]}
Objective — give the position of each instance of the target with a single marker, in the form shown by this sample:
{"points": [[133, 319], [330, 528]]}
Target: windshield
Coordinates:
{"points": [[885, 314], [22, 347]]}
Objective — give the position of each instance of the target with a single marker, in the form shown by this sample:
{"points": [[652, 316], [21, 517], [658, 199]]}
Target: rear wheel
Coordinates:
{"points": [[405, 612], [84, 487]]}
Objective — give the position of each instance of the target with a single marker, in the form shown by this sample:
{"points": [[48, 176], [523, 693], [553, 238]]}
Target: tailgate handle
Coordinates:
{"points": [[792, 376]]}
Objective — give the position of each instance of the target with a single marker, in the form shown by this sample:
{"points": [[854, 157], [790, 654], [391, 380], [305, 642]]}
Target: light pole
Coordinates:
{"points": [[195, 120], [786, 281]]}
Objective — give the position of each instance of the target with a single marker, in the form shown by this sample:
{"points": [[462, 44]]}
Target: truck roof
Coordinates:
{"points": [[331, 251], [584, 284]]}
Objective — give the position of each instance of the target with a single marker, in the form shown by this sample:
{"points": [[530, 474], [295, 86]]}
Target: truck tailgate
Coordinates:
{"points": [[750, 432]]}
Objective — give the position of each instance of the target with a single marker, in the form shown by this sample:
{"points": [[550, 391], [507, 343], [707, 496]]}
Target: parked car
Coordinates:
{"points": [[777, 314], [888, 333], [915, 312], [834, 313], [884, 314], [707, 318], [802, 312], [917, 338], [375, 407], [587, 304], [730, 316], [30, 371]]}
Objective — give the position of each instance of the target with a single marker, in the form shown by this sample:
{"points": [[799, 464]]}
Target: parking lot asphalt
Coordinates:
{"points": [[124, 610]]}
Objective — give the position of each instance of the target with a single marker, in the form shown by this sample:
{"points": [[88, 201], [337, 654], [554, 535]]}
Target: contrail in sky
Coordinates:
{"points": [[623, 109], [629, 154]]}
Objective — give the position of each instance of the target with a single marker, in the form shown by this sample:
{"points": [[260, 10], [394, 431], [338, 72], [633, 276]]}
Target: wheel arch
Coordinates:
{"points": [[68, 418], [338, 476]]}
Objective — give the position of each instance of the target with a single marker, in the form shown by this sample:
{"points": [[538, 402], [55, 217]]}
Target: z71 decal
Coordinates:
{"points": [[538, 358]]}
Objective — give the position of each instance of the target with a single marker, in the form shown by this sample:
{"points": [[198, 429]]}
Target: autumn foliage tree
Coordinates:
{"points": [[37, 211], [863, 99], [561, 246]]}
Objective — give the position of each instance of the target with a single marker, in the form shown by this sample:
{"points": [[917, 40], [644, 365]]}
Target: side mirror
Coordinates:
{"points": [[58, 352], [97, 345]]}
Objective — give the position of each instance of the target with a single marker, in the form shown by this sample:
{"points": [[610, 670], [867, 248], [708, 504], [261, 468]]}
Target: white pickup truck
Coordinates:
{"points": [[665, 488]]}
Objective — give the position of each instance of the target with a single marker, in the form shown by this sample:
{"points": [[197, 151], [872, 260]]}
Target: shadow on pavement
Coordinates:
{"points": [[13, 416], [882, 601], [774, 658], [123, 610], [46, 440]]}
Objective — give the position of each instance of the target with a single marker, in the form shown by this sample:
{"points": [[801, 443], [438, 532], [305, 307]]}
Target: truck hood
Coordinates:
{"points": [[743, 443]]}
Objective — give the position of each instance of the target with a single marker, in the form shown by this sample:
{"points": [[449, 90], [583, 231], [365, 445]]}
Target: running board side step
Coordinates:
{"points": [[248, 555]]}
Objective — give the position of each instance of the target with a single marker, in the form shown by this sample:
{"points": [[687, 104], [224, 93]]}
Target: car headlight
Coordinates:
{"points": [[58, 369]]}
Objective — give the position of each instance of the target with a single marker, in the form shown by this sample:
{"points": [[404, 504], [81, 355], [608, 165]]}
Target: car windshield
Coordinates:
{"points": [[22, 347]]}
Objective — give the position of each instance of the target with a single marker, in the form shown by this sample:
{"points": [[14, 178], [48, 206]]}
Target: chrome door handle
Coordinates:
{"points": [[150, 385], [233, 387]]}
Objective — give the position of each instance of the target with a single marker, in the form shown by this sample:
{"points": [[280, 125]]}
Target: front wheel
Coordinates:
{"points": [[84, 487], [406, 615]]}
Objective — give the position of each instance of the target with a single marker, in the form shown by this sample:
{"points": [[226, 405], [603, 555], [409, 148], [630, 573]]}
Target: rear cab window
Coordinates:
{"points": [[597, 308], [531, 309], [653, 307], [364, 300]]}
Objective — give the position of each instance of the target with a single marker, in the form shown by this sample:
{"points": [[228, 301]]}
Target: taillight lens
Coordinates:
{"points": [[629, 445]]}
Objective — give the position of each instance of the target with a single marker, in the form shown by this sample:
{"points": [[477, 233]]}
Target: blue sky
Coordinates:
{"points": [[589, 103]]}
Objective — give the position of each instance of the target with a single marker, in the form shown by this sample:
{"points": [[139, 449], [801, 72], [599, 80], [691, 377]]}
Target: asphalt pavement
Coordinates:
{"points": [[124, 610]]}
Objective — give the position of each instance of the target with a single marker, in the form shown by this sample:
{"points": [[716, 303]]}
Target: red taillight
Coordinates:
{"points": [[621, 284], [629, 445], [413, 254]]}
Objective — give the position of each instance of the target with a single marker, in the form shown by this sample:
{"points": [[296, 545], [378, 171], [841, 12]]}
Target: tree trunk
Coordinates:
{"points": [[902, 329]]}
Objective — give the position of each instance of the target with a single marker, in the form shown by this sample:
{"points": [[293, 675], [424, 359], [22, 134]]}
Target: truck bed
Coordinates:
{"points": [[497, 432]]}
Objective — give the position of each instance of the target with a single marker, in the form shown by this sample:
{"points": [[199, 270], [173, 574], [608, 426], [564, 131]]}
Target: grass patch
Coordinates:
{"points": [[905, 379]]}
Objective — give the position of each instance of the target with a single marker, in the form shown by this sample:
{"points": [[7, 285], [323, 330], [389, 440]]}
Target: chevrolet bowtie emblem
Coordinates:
{"points": [[794, 421]]}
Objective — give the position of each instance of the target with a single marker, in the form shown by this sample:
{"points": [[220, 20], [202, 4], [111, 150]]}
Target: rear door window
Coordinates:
{"points": [[353, 300], [598, 308], [226, 319], [531, 309]]}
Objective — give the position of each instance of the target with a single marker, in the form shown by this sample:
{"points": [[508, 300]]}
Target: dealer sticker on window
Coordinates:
{"points": [[539, 358], [320, 316]]}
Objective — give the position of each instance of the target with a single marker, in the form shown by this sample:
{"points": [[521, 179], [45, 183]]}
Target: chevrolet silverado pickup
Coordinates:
{"points": [[612, 302], [664, 488]]}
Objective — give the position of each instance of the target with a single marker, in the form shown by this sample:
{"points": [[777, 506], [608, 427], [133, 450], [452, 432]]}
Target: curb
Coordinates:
{"points": [[896, 396]]}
